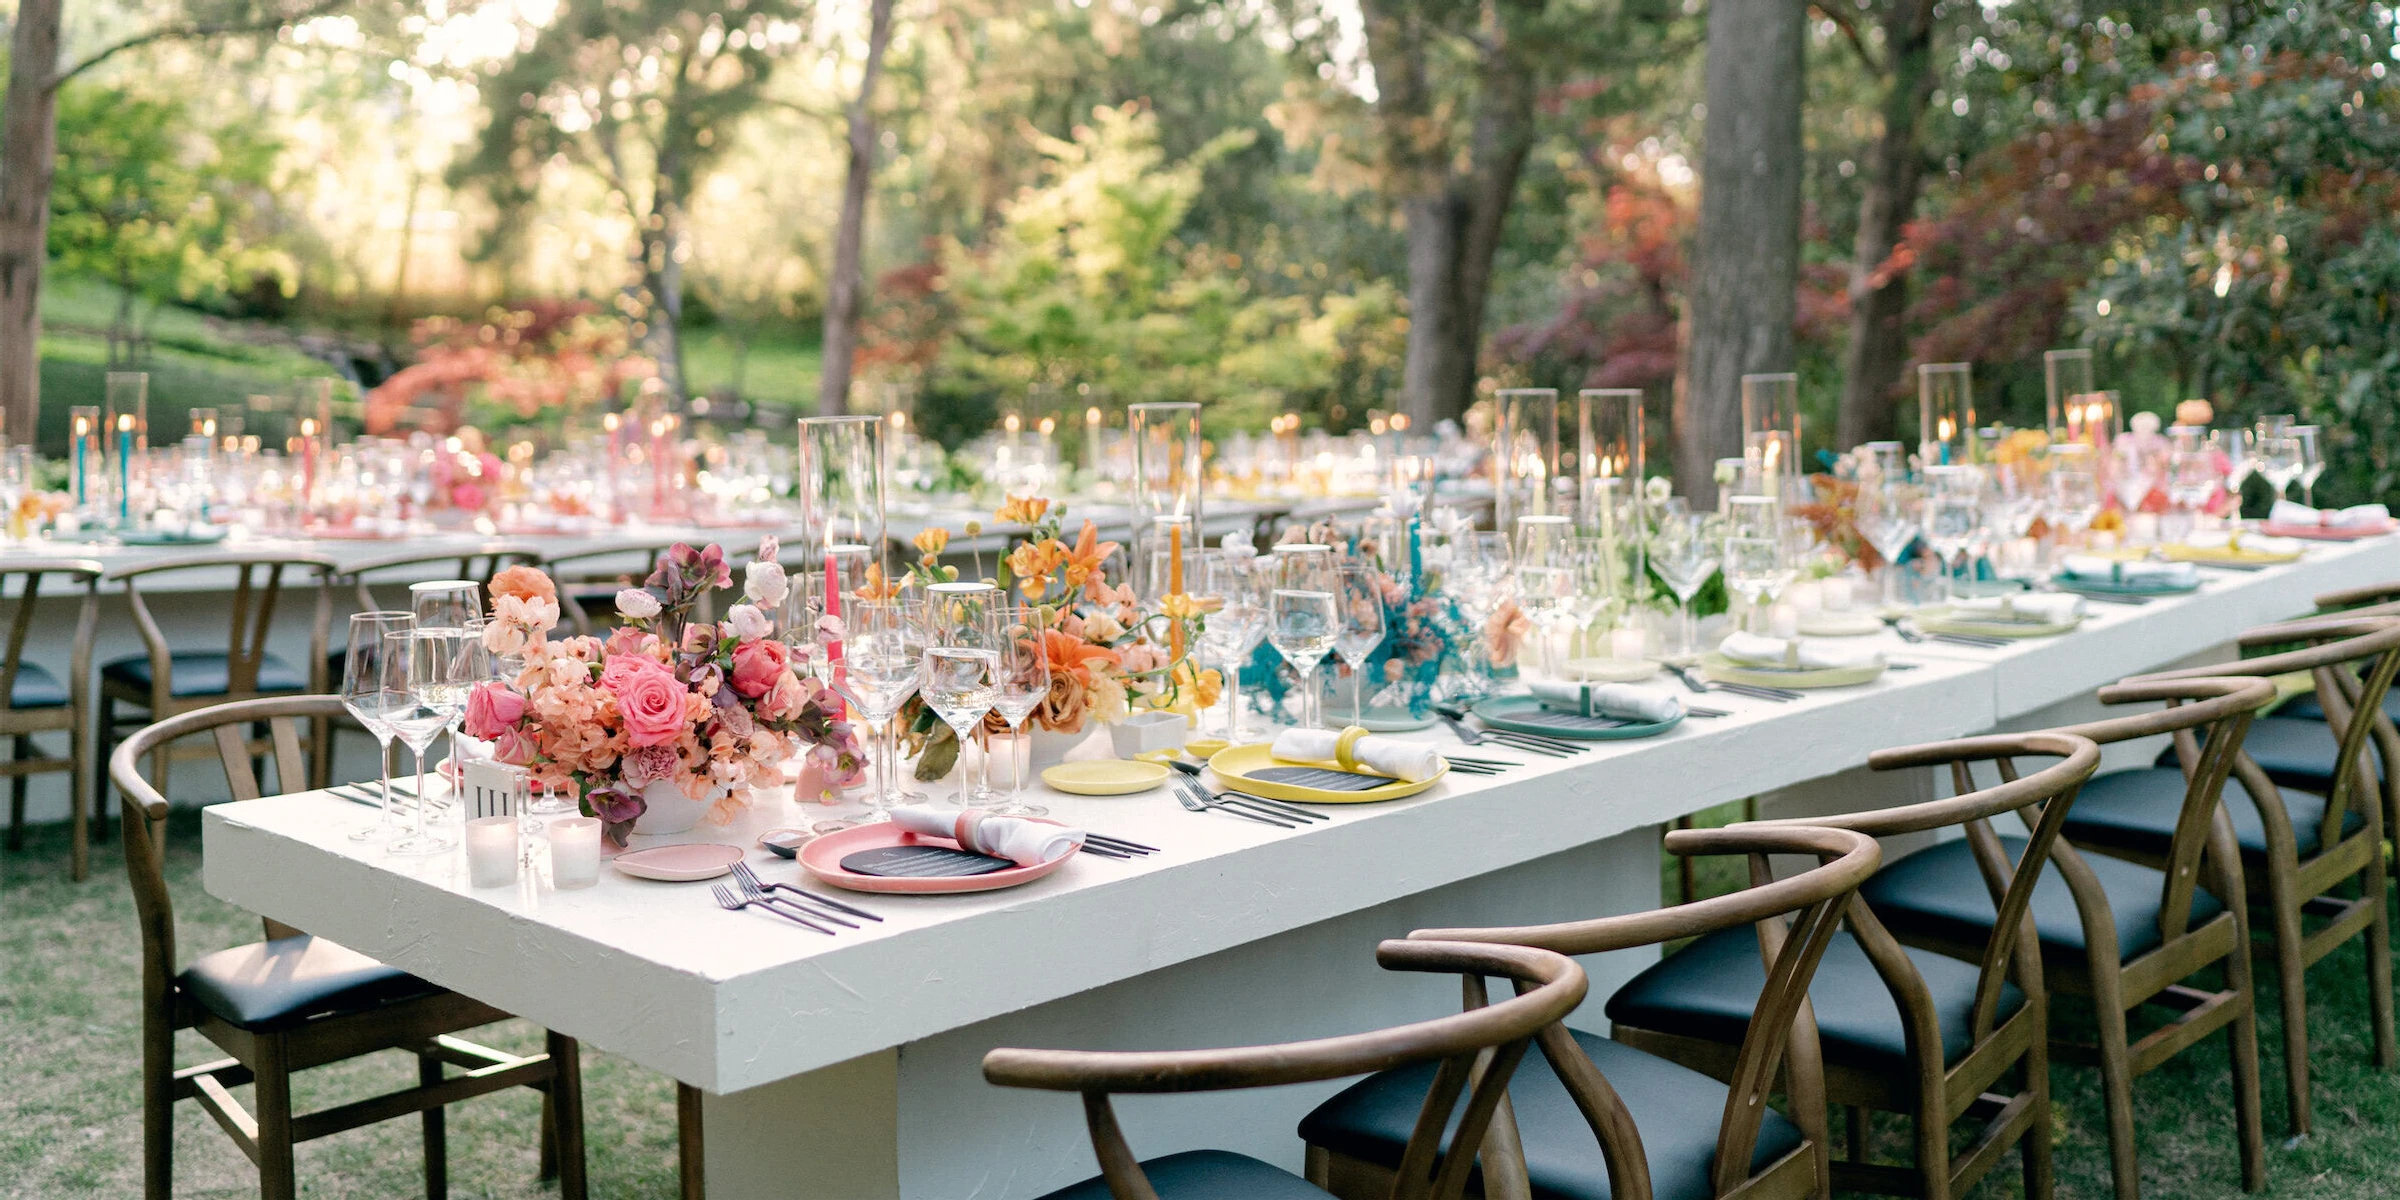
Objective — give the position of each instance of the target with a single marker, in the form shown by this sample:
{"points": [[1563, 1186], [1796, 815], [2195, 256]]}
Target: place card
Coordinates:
{"points": [[922, 862], [1324, 779], [493, 789]]}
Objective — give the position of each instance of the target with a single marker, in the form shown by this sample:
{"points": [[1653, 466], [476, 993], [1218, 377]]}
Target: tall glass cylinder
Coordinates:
{"points": [[1771, 426], [1166, 467], [1611, 464], [1527, 470], [2066, 380], [842, 496], [1945, 414]]}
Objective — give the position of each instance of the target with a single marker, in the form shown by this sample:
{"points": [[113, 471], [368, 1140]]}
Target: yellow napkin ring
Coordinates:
{"points": [[1345, 748]]}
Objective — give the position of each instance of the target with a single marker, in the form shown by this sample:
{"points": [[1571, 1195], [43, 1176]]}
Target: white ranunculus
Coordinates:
{"points": [[636, 604], [746, 622], [765, 584]]}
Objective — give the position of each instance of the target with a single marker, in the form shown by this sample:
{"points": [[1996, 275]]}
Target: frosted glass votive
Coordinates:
{"points": [[574, 852], [492, 851]]}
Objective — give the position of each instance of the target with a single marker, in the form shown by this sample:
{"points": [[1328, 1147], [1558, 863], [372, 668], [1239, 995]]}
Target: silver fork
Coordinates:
{"points": [[754, 891], [743, 870], [1273, 808], [1200, 803], [1483, 737], [732, 903], [1752, 690]]}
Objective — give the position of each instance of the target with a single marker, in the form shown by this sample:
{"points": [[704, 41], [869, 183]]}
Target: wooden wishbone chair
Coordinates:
{"points": [[293, 1002], [32, 700], [1662, 1130], [1470, 1054], [1904, 1030], [2121, 934], [2297, 849], [164, 680]]}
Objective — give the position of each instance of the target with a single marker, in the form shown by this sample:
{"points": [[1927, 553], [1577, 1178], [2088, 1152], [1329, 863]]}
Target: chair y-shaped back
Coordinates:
{"points": [[32, 700], [1477, 1051]]}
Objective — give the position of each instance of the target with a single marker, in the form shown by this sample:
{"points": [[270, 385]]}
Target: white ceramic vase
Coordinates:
{"points": [[1049, 747], [669, 810]]}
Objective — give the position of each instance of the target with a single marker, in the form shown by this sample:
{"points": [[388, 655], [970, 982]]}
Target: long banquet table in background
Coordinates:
{"points": [[847, 1067]]}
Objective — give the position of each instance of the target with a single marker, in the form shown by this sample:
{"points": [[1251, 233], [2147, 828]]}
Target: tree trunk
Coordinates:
{"points": [[1503, 135], [1439, 369], [28, 141], [663, 252], [1895, 168], [1745, 266], [846, 292]]}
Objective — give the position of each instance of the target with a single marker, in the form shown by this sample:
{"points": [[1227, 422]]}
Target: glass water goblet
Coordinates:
{"points": [[2310, 444], [1757, 562], [1303, 617], [874, 664], [1233, 626], [960, 673], [374, 689], [437, 695], [1953, 514], [1684, 553], [1361, 629], [1024, 683]]}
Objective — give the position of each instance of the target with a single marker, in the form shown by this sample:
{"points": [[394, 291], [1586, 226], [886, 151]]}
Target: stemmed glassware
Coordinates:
{"points": [[1024, 683], [960, 676], [874, 663], [374, 687], [1545, 579], [1303, 621], [1889, 518], [1758, 561], [1361, 629], [1234, 625], [438, 680], [2075, 498], [2239, 450], [1953, 514], [2191, 478], [2279, 459], [2309, 442], [1684, 553], [1479, 576]]}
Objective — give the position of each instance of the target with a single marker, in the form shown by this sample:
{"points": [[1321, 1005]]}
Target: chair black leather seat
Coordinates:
{"points": [[2295, 753], [1709, 988], [2135, 811], [1207, 1175], [1678, 1111], [204, 673], [36, 688], [2304, 707], [1939, 892], [285, 982]]}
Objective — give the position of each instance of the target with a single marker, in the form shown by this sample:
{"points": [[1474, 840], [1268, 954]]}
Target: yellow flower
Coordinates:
{"points": [[1183, 606], [1033, 563], [933, 540], [875, 587], [1022, 510], [1200, 688]]}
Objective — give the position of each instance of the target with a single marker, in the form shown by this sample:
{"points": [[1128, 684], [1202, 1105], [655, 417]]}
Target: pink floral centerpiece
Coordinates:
{"points": [[668, 719]]}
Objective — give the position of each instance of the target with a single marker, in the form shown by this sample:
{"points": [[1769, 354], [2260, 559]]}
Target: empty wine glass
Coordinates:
{"points": [[1234, 625], [1303, 619], [2191, 480], [960, 675], [1545, 579], [1890, 515], [873, 658], [2312, 460], [1024, 683], [438, 683], [1758, 562], [1953, 514], [445, 603], [1684, 553], [2279, 461], [1361, 629], [374, 688]]}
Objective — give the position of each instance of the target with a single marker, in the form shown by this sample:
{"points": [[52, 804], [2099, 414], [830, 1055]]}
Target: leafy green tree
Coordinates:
{"points": [[161, 208]]}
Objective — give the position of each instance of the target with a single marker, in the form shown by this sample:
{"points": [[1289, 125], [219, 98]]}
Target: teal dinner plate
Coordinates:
{"points": [[2110, 587], [1524, 714]]}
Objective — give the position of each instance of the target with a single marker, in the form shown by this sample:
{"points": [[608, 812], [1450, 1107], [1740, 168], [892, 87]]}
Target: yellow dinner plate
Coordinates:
{"points": [[2229, 556], [1104, 777], [1237, 766], [1972, 624], [1725, 670]]}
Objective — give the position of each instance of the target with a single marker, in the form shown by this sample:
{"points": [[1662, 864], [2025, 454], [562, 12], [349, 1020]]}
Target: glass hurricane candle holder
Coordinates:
{"points": [[1771, 425], [1166, 445], [1945, 414], [2066, 379], [1527, 471], [843, 493]]}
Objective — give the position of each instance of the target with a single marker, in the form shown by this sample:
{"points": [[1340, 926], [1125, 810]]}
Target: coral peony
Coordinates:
{"points": [[756, 667]]}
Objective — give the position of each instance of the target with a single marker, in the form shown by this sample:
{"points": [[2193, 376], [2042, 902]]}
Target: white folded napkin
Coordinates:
{"points": [[1758, 650], [2109, 570], [2247, 543], [1409, 762], [1025, 843], [2291, 512], [2036, 608], [1608, 700]]}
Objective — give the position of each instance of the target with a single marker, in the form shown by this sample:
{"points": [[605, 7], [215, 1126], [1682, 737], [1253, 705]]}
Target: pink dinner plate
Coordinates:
{"points": [[823, 858], [2330, 533], [679, 864]]}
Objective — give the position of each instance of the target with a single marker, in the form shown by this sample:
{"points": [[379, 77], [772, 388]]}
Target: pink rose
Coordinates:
{"points": [[622, 668], [651, 705], [492, 709], [628, 640], [514, 747], [756, 666]]}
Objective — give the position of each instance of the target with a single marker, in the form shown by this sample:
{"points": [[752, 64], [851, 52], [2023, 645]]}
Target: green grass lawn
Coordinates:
{"points": [[70, 1123], [781, 371]]}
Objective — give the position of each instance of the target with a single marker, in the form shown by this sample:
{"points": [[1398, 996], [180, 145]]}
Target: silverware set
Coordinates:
{"points": [[1754, 691], [1530, 743], [1196, 798], [797, 905], [1910, 633], [1104, 846], [2099, 597]]}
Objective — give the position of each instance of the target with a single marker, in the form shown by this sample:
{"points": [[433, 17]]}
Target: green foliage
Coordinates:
{"points": [[158, 206]]}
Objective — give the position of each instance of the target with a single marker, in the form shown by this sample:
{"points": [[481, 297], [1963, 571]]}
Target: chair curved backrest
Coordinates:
{"points": [[145, 809], [2207, 716], [1796, 919], [2332, 650], [478, 562], [1478, 1050], [23, 578], [258, 585]]}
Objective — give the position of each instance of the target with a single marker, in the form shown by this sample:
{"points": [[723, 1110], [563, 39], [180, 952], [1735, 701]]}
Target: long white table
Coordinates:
{"points": [[846, 1067]]}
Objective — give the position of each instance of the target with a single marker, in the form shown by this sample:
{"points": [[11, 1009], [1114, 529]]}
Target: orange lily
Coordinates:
{"points": [[1083, 562]]}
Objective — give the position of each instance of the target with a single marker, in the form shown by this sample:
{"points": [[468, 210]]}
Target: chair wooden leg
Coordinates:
{"points": [[437, 1132], [16, 797], [2116, 1093], [158, 1104], [1932, 1136], [1854, 1133], [271, 1091], [687, 1129], [2292, 980], [566, 1107], [2242, 1042], [80, 781], [2379, 963], [2039, 1177], [548, 1168], [100, 785]]}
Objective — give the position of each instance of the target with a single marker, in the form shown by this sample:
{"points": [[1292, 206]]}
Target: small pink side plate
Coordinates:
{"points": [[2330, 533], [679, 864], [823, 858]]}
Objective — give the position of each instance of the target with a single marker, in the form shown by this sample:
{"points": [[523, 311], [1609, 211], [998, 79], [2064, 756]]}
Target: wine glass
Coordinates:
{"points": [[1953, 513], [2279, 461], [1891, 511], [1545, 578], [1684, 553], [1479, 577], [1302, 618], [1758, 562], [1361, 629], [375, 686], [960, 673], [2238, 448], [438, 684], [1024, 683], [1234, 625], [874, 664], [2191, 480], [2310, 442], [445, 603]]}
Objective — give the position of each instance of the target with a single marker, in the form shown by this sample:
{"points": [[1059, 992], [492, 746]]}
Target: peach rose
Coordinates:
{"points": [[514, 747], [524, 583], [756, 666], [783, 702]]}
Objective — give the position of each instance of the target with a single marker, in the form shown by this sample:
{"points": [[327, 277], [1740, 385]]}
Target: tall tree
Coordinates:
{"points": [[1746, 263], [643, 95], [1894, 171], [845, 292]]}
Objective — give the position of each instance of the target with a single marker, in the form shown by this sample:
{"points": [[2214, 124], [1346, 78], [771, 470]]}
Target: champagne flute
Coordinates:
{"points": [[2310, 444], [1757, 559], [1024, 678], [1303, 620], [375, 686], [960, 671], [1361, 629], [437, 695]]}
